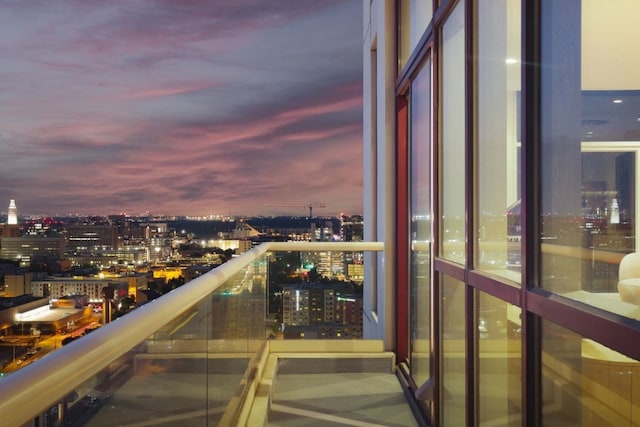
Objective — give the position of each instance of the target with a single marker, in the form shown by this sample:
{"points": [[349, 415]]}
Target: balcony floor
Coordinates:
{"points": [[339, 399], [340, 389]]}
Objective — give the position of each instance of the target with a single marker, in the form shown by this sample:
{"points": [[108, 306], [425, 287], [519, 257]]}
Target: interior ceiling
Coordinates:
{"points": [[611, 115]]}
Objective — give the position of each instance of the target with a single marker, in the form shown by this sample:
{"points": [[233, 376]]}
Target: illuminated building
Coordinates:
{"points": [[243, 246], [351, 228], [91, 238], [27, 249], [12, 215], [17, 284], [60, 287], [244, 230], [9, 230], [321, 311]]}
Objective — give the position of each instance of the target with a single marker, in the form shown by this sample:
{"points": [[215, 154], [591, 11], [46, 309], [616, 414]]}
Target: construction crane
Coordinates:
{"points": [[310, 206]]}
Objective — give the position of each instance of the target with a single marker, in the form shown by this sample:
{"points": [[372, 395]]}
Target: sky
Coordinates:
{"points": [[181, 107]]}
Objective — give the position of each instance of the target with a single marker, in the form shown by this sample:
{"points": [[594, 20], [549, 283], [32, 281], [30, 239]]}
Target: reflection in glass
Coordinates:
{"points": [[190, 371], [316, 294], [585, 383], [453, 394], [590, 146], [453, 137], [420, 211], [414, 17], [499, 362], [498, 146]]}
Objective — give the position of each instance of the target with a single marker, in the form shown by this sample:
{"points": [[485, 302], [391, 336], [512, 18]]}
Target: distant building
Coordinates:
{"points": [[11, 307], [70, 301], [61, 287], [348, 310], [244, 246], [26, 249], [327, 264], [322, 232], [12, 214], [9, 230], [194, 271], [16, 285], [91, 238], [351, 228], [320, 310], [244, 230], [125, 254]]}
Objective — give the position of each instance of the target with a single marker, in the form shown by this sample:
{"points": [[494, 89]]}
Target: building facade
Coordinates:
{"points": [[501, 151], [92, 288], [9, 230], [12, 213], [27, 249], [91, 238], [319, 310], [16, 285]]}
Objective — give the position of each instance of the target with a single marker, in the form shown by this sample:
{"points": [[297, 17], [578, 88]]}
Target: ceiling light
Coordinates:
{"points": [[617, 101], [511, 61]]}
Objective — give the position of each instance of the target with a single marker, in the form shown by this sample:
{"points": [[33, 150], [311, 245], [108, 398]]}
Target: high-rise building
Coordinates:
{"points": [[501, 159], [320, 310], [7, 230], [91, 238], [351, 228], [12, 214]]}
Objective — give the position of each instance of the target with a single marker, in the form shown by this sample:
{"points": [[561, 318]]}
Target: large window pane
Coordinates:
{"points": [[413, 18], [498, 142], [499, 362], [585, 383], [453, 137], [420, 211], [452, 391], [590, 148]]}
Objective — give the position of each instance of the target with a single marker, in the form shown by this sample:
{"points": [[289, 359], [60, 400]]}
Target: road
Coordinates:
{"points": [[16, 348]]}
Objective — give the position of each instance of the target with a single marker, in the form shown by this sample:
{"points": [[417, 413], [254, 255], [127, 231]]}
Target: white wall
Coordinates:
{"points": [[379, 166]]}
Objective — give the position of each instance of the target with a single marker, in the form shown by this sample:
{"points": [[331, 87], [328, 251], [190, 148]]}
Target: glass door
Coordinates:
{"points": [[420, 224]]}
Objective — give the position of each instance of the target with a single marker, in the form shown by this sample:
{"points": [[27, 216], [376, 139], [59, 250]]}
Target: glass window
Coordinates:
{"points": [[452, 391], [499, 362], [590, 146], [414, 17], [420, 211], [453, 137], [497, 139], [585, 383]]}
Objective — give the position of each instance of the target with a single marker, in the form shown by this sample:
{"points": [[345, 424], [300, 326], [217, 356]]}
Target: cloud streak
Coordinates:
{"points": [[184, 108]]}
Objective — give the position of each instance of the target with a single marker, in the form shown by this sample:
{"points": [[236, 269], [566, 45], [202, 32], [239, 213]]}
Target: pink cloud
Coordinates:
{"points": [[167, 91]]}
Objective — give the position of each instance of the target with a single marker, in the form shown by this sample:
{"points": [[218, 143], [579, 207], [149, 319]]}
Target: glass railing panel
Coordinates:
{"points": [[191, 368], [187, 358], [316, 294], [188, 372]]}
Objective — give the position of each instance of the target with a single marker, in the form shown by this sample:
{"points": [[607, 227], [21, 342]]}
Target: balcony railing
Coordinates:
{"points": [[184, 358]]}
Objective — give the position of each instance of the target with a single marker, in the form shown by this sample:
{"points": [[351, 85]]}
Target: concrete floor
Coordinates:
{"points": [[338, 392], [340, 399]]}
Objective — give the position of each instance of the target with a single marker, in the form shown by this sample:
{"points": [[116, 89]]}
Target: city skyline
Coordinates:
{"points": [[228, 108]]}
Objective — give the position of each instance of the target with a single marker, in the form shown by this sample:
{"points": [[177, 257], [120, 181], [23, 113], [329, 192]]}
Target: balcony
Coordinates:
{"points": [[205, 354]]}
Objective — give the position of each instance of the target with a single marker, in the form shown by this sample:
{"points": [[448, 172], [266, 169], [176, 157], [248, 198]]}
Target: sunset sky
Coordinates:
{"points": [[181, 107]]}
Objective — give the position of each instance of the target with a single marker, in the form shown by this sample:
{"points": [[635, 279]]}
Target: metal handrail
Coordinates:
{"points": [[33, 389]]}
